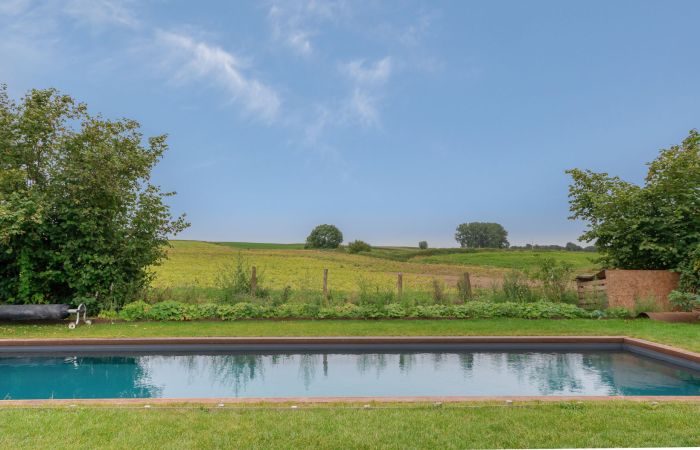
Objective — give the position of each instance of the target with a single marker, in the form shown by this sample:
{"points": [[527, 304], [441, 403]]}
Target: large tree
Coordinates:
{"points": [[482, 235], [324, 236], [79, 217], [652, 226]]}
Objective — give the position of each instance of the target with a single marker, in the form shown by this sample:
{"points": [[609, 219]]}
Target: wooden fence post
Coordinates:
{"points": [[467, 285], [253, 282], [399, 284], [325, 285]]}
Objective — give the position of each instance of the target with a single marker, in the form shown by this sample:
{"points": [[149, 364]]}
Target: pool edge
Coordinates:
{"points": [[635, 345]]}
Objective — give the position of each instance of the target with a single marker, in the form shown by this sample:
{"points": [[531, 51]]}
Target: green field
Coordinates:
{"points": [[192, 267], [391, 426], [514, 259]]}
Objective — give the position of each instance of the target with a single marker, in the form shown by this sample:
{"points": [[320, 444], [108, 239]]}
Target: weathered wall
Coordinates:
{"points": [[625, 286]]}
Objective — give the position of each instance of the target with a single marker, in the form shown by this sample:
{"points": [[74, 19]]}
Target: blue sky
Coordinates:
{"points": [[394, 120]]}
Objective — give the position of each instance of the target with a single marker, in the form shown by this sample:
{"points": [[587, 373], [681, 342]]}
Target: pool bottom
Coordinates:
{"points": [[381, 369]]}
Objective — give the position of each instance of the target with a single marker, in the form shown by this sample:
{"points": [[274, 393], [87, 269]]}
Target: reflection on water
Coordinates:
{"points": [[336, 374]]}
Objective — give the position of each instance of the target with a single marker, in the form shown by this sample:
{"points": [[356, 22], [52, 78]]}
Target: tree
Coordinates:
{"points": [[482, 235], [358, 246], [652, 226], [324, 236], [79, 219], [423, 245], [571, 247]]}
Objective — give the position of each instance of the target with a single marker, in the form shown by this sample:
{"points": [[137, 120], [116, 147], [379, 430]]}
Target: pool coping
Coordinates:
{"points": [[635, 345]]}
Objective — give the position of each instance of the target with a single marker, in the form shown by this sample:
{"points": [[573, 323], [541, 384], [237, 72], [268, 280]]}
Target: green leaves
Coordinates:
{"points": [[324, 236], [482, 235], [78, 216], [654, 226]]}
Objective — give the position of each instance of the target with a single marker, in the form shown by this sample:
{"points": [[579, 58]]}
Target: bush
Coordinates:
{"points": [[516, 288], [684, 301], [423, 245], [173, 311], [555, 277], [324, 236], [358, 246]]}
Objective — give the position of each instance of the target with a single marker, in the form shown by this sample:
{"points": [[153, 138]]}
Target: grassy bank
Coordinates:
{"points": [[678, 334], [588, 424]]}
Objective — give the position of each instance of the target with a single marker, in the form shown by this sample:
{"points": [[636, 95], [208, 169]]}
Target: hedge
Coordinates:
{"points": [[170, 310]]}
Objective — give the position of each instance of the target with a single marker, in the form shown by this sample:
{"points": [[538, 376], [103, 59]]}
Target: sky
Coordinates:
{"points": [[394, 120]]}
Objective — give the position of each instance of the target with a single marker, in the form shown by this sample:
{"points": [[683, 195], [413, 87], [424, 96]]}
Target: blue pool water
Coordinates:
{"points": [[342, 374]]}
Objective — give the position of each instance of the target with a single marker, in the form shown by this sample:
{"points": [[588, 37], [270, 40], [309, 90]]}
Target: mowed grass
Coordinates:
{"points": [[391, 426], [514, 259], [684, 335]]}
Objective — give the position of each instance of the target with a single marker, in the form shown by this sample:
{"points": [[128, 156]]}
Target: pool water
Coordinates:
{"points": [[343, 374]]}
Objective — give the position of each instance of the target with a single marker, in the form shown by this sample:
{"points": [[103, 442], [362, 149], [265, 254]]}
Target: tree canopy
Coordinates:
{"points": [[79, 219], [482, 235], [652, 226], [324, 236]]}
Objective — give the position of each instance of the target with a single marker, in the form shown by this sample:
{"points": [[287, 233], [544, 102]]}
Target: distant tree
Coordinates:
{"points": [[482, 235], [79, 219], [324, 236], [652, 226], [358, 246], [570, 246], [423, 245]]}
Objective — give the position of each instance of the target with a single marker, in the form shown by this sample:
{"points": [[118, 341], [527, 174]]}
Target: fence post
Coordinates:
{"points": [[467, 285], [253, 282], [325, 285], [399, 284]]}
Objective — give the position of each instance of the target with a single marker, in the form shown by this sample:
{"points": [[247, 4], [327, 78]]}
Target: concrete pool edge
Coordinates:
{"points": [[663, 352]]}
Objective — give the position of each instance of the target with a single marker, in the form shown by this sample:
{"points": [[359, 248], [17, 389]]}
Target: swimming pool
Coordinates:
{"points": [[369, 369]]}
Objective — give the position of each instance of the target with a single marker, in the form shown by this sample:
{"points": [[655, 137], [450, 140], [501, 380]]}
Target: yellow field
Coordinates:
{"points": [[193, 263]]}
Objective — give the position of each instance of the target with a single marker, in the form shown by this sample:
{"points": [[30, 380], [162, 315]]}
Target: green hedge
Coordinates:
{"points": [[170, 310]]}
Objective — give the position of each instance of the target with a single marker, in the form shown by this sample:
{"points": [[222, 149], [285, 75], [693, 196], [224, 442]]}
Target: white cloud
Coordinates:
{"points": [[363, 106], [294, 22], [376, 73], [193, 59], [101, 12]]}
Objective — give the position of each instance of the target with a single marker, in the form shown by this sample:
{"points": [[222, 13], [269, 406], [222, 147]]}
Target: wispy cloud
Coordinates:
{"points": [[363, 73], [101, 12], [295, 22], [193, 59], [363, 106]]}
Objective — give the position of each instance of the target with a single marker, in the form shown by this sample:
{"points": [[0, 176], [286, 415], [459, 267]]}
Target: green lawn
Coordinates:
{"points": [[588, 424], [679, 334]]}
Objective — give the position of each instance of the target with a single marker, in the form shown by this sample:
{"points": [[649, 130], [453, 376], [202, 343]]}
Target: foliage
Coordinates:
{"points": [[423, 245], [482, 235], [324, 236], [689, 270], [472, 310], [554, 277], [358, 246], [516, 288], [684, 301], [78, 214], [645, 305], [652, 226], [234, 280]]}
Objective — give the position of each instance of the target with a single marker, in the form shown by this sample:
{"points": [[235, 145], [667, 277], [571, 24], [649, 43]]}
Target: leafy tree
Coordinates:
{"points": [[482, 235], [324, 236], [358, 246], [423, 245], [571, 247], [79, 218], [652, 226]]}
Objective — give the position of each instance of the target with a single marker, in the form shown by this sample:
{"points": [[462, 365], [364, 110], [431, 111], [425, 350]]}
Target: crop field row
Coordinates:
{"points": [[196, 264]]}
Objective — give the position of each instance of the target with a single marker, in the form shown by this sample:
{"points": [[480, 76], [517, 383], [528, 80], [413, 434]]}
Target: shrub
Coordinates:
{"points": [[684, 301], [555, 277], [516, 288], [472, 310], [324, 236], [423, 245], [135, 311], [358, 246]]}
